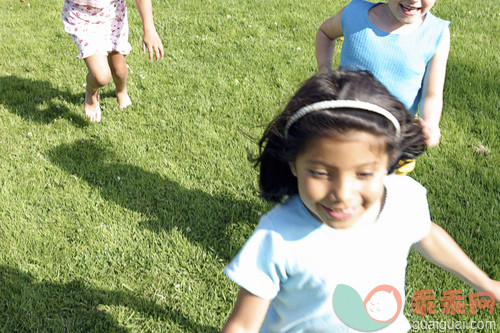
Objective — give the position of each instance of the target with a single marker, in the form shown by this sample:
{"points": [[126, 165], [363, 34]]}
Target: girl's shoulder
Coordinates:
{"points": [[404, 192], [356, 11], [289, 217], [402, 183], [288, 210], [360, 4], [434, 21]]}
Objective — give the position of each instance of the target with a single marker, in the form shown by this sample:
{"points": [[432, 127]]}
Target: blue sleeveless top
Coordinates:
{"points": [[398, 61]]}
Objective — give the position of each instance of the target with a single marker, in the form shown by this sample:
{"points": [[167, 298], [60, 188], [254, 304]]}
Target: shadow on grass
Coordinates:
{"points": [[27, 305], [203, 218], [34, 100]]}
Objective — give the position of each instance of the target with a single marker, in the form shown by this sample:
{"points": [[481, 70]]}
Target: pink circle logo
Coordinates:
{"points": [[383, 303]]}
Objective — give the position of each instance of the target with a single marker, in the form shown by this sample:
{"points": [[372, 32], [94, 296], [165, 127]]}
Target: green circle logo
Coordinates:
{"points": [[379, 309]]}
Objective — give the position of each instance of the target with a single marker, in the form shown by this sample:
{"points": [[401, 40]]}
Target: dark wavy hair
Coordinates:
{"points": [[277, 149]]}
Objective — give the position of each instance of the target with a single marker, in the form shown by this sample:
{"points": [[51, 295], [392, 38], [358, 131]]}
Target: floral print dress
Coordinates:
{"points": [[97, 26]]}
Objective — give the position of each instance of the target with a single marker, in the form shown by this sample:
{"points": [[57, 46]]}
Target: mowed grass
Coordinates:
{"points": [[127, 225]]}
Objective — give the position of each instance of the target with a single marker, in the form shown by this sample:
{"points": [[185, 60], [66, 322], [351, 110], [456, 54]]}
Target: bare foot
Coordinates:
{"points": [[123, 98], [92, 108]]}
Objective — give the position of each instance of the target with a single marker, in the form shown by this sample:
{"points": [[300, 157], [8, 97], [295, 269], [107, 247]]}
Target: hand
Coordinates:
{"points": [[152, 42], [432, 135]]}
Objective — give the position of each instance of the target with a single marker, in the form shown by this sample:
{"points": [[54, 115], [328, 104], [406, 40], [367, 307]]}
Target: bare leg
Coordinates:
{"points": [[118, 65], [98, 76]]}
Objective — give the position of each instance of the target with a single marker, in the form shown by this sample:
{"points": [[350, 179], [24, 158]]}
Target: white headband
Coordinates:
{"points": [[339, 104]]}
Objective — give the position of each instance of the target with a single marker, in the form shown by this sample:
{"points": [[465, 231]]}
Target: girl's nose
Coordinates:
{"points": [[342, 189]]}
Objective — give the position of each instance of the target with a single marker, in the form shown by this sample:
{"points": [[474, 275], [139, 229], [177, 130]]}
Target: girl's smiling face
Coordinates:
{"points": [[409, 11], [340, 179]]}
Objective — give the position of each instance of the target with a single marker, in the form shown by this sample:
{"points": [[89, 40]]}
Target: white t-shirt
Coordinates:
{"points": [[297, 262]]}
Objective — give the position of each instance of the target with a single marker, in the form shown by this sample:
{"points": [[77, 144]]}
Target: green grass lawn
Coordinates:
{"points": [[127, 225]]}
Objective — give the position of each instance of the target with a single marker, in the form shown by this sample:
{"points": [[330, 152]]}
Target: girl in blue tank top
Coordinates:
{"points": [[402, 44]]}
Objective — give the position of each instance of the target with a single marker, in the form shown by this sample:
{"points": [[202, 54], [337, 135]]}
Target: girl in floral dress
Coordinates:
{"points": [[100, 30]]}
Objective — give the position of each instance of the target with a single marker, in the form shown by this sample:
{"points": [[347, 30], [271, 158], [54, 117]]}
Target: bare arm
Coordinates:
{"points": [[150, 41], [248, 313], [432, 91], [442, 250], [326, 38]]}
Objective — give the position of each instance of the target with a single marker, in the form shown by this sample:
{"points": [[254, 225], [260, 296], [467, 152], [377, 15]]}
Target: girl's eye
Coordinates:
{"points": [[365, 175], [317, 173]]}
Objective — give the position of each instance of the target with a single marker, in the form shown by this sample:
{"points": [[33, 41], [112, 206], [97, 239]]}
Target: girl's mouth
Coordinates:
{"points": [[341, 214], [409, 10]]}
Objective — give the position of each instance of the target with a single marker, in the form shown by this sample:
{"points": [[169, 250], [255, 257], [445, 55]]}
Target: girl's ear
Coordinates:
{"points": [[293, 168]]}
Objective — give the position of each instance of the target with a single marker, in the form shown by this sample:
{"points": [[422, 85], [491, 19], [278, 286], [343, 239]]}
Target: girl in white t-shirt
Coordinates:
{"points": [[100, 30], [331, 256]]}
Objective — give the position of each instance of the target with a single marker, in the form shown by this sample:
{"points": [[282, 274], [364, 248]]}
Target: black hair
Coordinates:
{"points": [[277, 148]]}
